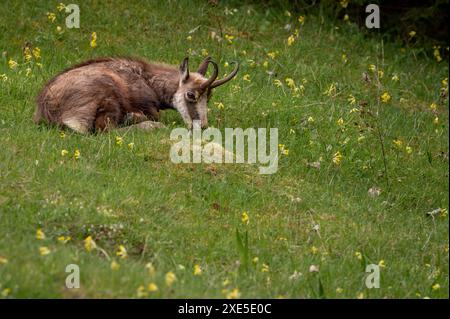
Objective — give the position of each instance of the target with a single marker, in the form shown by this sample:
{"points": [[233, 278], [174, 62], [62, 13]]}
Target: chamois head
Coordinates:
{"points": [[194, 91]]}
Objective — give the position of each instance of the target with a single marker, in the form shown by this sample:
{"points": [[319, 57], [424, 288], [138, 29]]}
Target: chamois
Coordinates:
{"points": [[105, 93]]}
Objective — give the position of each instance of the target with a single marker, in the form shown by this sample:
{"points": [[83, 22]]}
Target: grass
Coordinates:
{"points": [[180, 216]]}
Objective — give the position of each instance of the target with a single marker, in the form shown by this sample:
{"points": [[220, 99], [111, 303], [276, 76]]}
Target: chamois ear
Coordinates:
{"points": [[184, 70]]}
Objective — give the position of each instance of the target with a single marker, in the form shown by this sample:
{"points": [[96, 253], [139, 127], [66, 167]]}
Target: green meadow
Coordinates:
{"points": [[362, 176]]}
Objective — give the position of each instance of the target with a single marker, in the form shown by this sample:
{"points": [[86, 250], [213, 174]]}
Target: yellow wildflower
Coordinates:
{"points": [[412, 34], [291, 40], [122, 252], [339, 290], [385, 97], [436, 287], [331, 90], [44, 251], [433, 106], [152, 287], [436, 120], [115, 265], [93, 39], [6, 292], [58, 29], [246, 77], [314, 250], [170, 278], [346, 18], [245, 218], [76, 154], [360, 296], [40, 234], [189, 38], [64, 239], [272, 55], [229, 38], [51, 17], [301, 19], [226, 282], [340, 121], [64, 153], [3, 260], [290, 83], [395, 78], [372, 67], [398, 143], [60, 6], [130, 145], [287, 13], [119, 140], [219, 105], [310, 119], [12, 64], [89, 243], [4, 77], [277, 83], [344, 58], [141, 293], [234, 294], [226, 65], [255, 260], [197, 270], [265, 268], [381, 264], [351, 99], [380, 74], [344, 3], [337, 158], [205, 52], [437, 54], [358, 255], [408, 149], [266, 64]]}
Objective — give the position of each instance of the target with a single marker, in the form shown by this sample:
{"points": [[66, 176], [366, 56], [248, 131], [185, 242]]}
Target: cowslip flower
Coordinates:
{"points": [[245, 218], [358, 255], [385, 97], [5, 292], [337, 158], [197, 270], [64, 239], [408, 149], [233, 294], [436, 120], [89, 243], [265, 268], [246, 77], [272, 55], [140, 292], [351, 99], [398, 143], [291, 40], [436, 287], [60, 6], [395, 78], [310, 119], [189, 38], [219, 105], [152, 287], [3, 260], [433, 106], [119, 140], [170, 278], [339, 290], [344, 58], [40, 234], [301, 19], [12, 64], [277, 83], [266, 64], [115, 265], [344, 3], [381, 264], [3, 77], [314, 250], [372, 67], [64, 152], [229, 38], [290, 82], [205, 52], [122, 252], [412, 34], [44, 251], [346, 18], [331, 90], [130, 146], [93, 42], [437, 54], [51, 17], [76, 154], [340, 121], [360, 295]]}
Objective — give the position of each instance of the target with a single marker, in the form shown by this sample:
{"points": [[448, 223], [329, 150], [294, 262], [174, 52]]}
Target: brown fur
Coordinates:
{"points": [[109, 92]]}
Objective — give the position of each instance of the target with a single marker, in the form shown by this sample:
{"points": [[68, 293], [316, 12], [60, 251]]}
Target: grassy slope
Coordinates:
{"points": [[174, 215]]}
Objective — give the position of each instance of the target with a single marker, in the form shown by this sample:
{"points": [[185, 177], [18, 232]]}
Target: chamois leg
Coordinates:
{"points": [[109, 115]]}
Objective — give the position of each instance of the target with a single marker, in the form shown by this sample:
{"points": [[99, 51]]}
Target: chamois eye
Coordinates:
{"points": [[190, 96]]}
